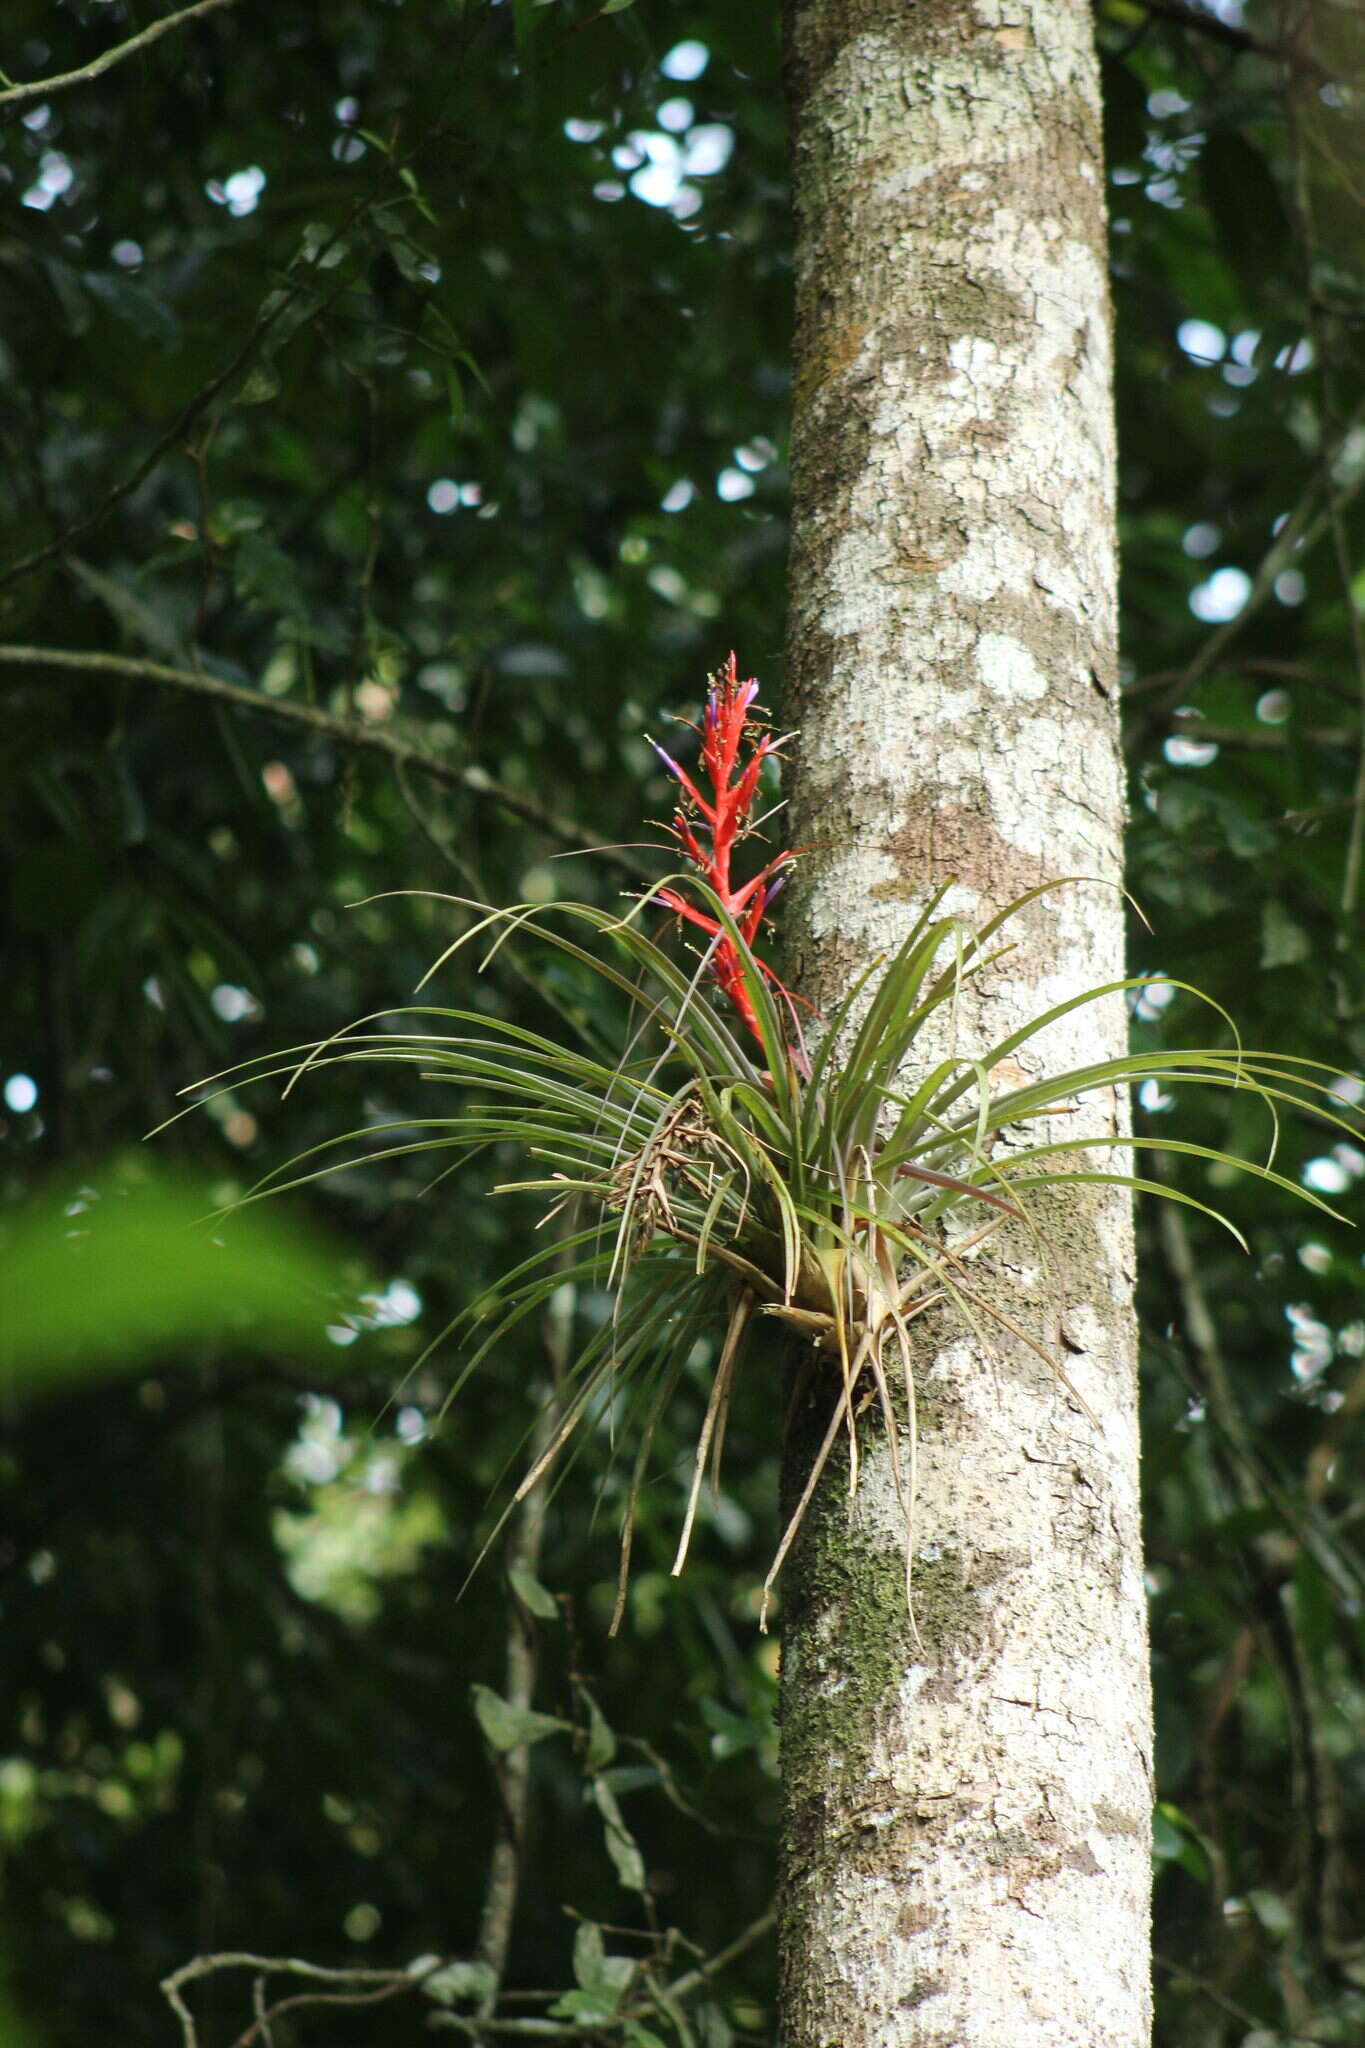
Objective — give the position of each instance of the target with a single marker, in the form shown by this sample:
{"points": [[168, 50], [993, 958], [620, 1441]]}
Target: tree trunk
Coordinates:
{"points": [[965, 1854]]}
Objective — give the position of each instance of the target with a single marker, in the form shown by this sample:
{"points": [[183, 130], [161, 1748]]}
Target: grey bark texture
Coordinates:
{"points": [[966, 1852]]}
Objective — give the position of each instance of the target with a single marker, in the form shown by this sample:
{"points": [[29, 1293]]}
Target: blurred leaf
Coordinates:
{"points": [[1175, 1839], [265, 575], [601, 1740], [507, 1727], [260, 384], [715, 2029], [1284, 942], [589, 1952], [146, 620], [1315, 1608], [1274, 1913], [454, 1982], [731, 1732], [463, 355], [124, 1268], [602, 1980], [621, 1844], [150, 318], [537, 1599]]}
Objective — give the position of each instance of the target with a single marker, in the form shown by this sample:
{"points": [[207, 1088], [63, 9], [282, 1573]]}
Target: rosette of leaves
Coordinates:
{"points": [[712, 1170]]}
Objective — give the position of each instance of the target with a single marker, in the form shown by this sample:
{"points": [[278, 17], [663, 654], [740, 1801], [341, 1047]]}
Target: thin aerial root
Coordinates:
{"points": [[789, 1535], [728, 1359], [889, 1418], [845, 1407], [720, 1387], [661, 1399]]}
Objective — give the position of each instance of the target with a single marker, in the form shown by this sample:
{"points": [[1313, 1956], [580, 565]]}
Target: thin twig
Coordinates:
{"points": [[400, 1981], [1257, 1484], [1210, 1991], [199, 456], [700, 1977], [184, 419], [389, 1981], [472, 780], [42, 88], [503, 1882], [692, 1981], [716, 1409], [523, 2030], [261, 2010], [1317, 1799], [1248, 665], [1261, 739], [1205, 24], [1293, 544]]}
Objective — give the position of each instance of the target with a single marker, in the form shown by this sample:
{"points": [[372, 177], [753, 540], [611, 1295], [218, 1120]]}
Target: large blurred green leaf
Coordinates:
{"points": [[125, 1268]]}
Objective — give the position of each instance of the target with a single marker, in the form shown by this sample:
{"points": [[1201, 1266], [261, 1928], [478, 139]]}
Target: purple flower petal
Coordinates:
{"points": [[667, 759]]}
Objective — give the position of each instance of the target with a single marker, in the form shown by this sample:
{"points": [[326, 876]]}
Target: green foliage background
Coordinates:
{"points": [[239, 1662]]}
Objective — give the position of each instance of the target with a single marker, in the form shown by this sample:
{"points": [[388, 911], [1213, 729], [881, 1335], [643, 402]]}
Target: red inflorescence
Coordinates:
{"points": [[728, 734]]}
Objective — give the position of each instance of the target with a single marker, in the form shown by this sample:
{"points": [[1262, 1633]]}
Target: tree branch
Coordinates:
{"points": [[370, 1987], [1254, 1482], [1291, 546], [512, 2030], [1249, 665], [42, 88], [267, 316], [470, 779], [259, 2030], [1290, 51], [1260, 739], [1205, 23], [355, 1986], [696, 1979]]}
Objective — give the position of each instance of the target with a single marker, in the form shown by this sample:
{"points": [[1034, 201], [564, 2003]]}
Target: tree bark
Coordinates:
{"points": [[966, 1852]]}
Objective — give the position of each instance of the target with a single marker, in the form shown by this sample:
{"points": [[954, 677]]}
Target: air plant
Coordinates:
{"points": [[714, 1170]]}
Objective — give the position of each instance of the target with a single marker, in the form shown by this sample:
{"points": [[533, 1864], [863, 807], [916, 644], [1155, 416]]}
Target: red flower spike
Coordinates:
{"points": [[726, 730]]}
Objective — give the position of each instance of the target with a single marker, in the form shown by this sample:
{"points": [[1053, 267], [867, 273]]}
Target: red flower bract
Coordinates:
{"points": [[734, 746]]}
